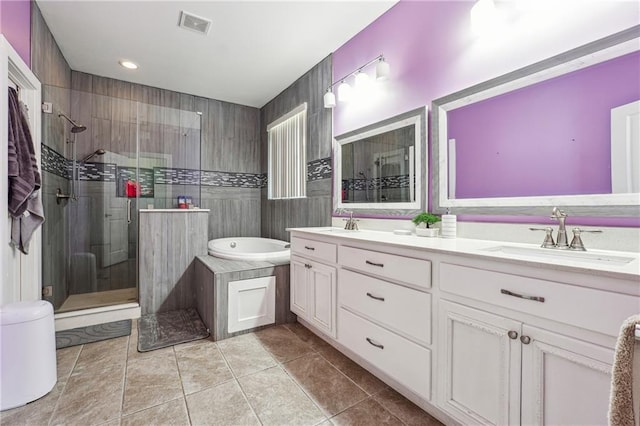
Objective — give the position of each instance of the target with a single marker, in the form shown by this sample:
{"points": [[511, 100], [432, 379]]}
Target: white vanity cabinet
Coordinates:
{"points": [[501, 369], [313, 284], [470, 336], [384, 313]]}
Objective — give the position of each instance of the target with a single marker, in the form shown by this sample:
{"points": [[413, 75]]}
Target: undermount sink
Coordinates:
{"points": [[340, 230], [558, 254]]}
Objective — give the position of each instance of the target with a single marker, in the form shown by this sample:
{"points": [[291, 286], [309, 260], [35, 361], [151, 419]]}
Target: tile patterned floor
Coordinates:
{"points": [[282, 375]]}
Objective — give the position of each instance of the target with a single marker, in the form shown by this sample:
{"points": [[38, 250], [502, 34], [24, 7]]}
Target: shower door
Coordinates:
{"points": [[124, 155], [102, 238]]}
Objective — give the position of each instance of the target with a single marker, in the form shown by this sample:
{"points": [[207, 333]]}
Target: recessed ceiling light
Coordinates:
{"points": [[128, 64]]}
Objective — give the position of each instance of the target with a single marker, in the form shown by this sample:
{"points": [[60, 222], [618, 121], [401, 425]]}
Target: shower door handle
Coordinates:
{"points": [[128, 211]]}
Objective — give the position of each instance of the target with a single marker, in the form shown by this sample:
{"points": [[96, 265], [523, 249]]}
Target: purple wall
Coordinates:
{"points": [[432, 51], [560, 125], [15, 25]]}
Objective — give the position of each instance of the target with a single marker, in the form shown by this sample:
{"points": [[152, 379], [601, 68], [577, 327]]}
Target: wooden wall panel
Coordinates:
{"points": [[315, 210], [169, 242]]}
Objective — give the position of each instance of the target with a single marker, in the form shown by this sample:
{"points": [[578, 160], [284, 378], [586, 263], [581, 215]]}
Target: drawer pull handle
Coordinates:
{"points": [[306, 265], [309, 248], [380, 265], [372, 343], [522, 296], [525, 339], [513, 335], [375, 297]]}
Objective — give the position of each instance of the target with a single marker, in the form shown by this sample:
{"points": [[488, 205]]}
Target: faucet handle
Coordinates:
{"points": [[576, 242], [556, 213], [548, 238]]}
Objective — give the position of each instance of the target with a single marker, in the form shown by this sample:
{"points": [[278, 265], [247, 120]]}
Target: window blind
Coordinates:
{"points": [[287, 169]]}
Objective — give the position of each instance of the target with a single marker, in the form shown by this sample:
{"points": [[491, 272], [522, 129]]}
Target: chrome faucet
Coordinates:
{"points": [[352, 224], [561, 242], [561, 217]]}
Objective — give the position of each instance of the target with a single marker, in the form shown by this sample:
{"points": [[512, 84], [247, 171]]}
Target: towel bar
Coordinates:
{"points": [[637, 331]]}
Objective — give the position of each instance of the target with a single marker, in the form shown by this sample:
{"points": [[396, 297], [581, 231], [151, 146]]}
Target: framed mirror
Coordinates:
{"points": [[562, 132], [380, 168]]}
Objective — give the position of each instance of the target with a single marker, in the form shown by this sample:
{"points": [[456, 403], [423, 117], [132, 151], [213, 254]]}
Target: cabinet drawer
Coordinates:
{"points": [[405, 269], [402, 309], [578, 306], [401, 359], [314, 249]]}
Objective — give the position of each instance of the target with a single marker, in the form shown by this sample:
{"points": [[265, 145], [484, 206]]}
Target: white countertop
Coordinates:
{"points": [[483, 248]]}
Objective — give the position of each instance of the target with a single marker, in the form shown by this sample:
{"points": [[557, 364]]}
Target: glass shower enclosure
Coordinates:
{"points": [[104, 158]]}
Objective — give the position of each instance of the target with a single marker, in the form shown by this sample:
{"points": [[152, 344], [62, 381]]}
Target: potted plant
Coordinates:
{"points": [[423, 223]]}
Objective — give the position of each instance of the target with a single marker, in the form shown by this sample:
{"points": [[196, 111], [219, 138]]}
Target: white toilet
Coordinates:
{"points": [[27, 352]]}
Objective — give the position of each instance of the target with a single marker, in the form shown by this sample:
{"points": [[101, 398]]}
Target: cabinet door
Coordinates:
{"points": [[479, 366], [564, 381], [299, 287], [252, 303], [322, 289]]}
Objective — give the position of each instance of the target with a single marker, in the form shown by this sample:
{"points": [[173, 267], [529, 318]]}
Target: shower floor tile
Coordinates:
{"points": [[97, 299], [280, 375]]}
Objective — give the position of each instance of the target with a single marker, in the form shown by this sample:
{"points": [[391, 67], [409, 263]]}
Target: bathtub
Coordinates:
{"points": [[250, 248]]}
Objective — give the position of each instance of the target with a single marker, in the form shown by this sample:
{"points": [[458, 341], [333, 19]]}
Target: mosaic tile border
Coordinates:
{"points": [[319, 169], [95, 172], [401, 181], [174, 176], [54, 162], [234, 180]]}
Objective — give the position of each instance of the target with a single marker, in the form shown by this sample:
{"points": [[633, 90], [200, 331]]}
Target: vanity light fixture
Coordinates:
{"points": [[128, 64], [329, 99], [344, 92], [382, 69], [361, 80]]}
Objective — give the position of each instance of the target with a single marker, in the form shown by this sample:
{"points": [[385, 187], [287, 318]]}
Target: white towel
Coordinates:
{"points": [[621, 410]]}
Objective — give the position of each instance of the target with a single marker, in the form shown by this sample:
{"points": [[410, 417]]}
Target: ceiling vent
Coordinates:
{"points": [[194, 23]]}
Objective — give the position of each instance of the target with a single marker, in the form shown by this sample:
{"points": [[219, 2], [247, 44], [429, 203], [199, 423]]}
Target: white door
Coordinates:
{"points": [[480, 354], [116, 231], [564, 381], [322, 283], [625, 148], [298, 287]]}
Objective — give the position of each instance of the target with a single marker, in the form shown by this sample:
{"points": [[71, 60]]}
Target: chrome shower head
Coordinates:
{"points": [[76, 128], [93, 154]]}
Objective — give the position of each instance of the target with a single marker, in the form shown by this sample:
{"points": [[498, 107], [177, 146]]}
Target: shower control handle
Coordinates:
{"points": [[61, 196]]}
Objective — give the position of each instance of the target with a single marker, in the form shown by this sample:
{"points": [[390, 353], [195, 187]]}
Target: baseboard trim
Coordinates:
{"points": [[87, 317]]}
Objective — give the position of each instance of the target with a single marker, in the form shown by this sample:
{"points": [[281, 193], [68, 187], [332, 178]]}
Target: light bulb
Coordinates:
{"points": [[329, 99], [344, 92], [382, 70], [362, 79]]}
